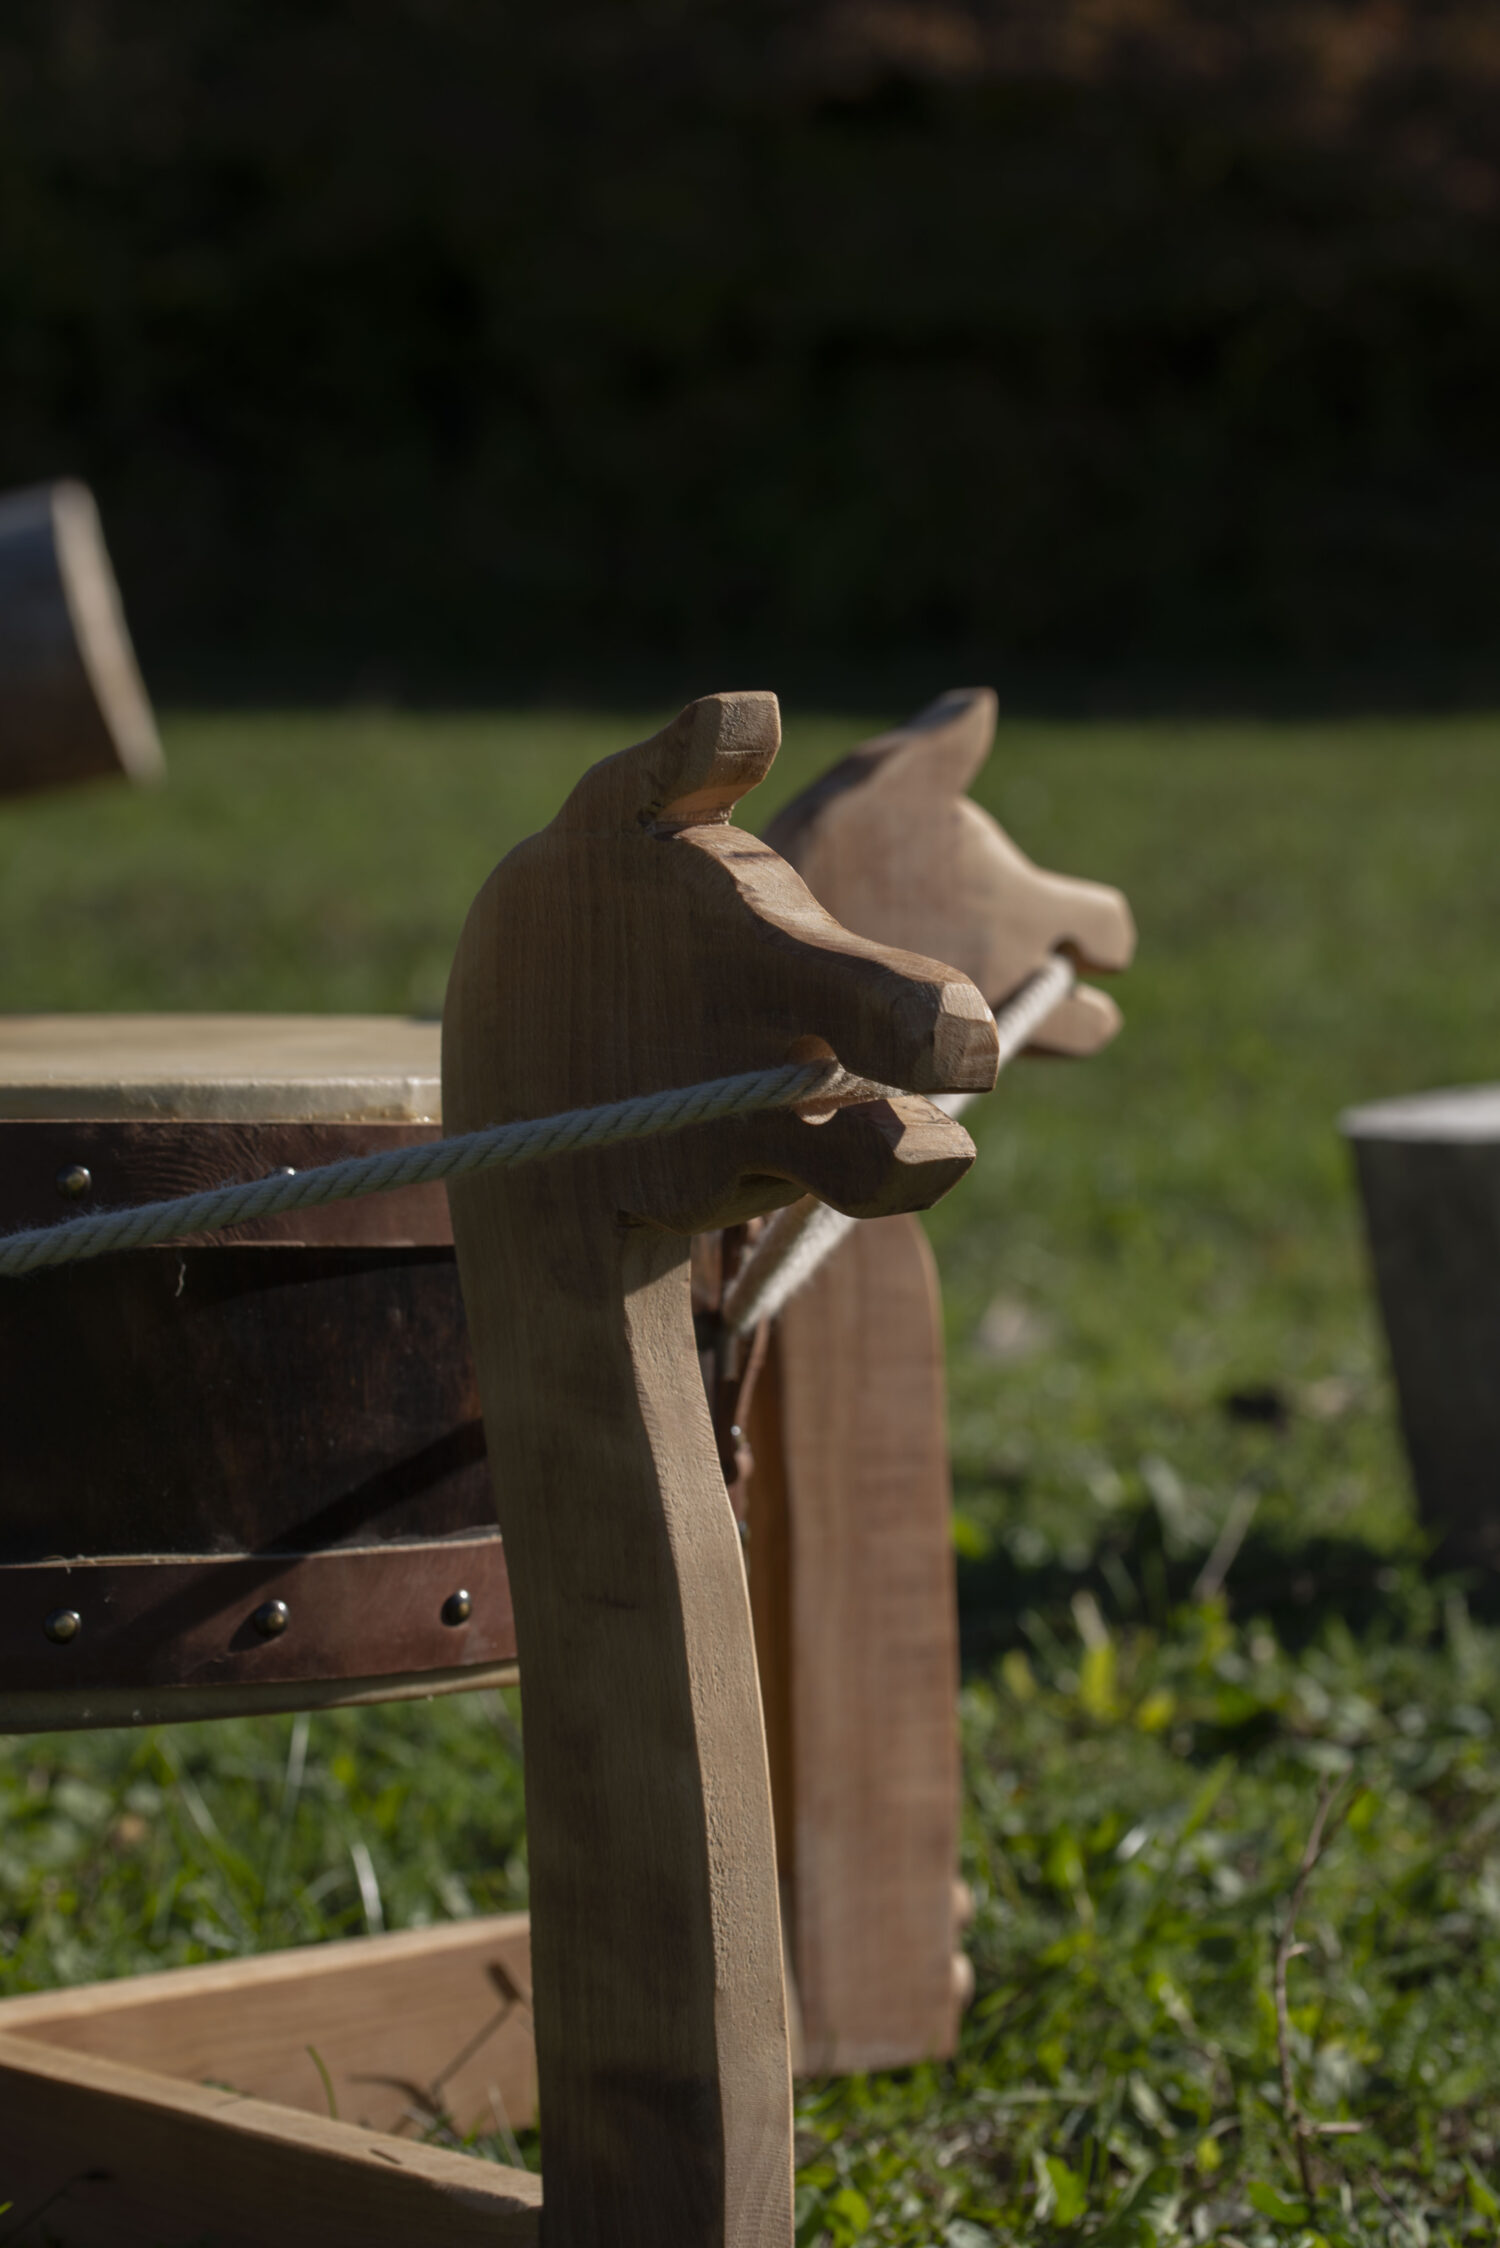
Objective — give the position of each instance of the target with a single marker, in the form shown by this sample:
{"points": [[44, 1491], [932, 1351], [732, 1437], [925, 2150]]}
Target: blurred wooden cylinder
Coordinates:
{"points": [[1429, 1174], [72, 704]]}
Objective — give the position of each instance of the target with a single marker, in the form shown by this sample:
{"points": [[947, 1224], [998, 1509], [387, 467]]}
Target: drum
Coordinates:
{"points": [[246, 1472]]}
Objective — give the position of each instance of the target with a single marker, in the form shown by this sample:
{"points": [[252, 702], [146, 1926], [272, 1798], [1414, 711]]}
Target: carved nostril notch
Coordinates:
{"points": [[952, 1039]]}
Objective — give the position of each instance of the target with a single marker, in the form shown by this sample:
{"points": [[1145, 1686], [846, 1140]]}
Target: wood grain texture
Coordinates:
{"points": [[72, 706], [99, 2155], [230, 1069], [642, 942], [849, 1501], [851, 1568], [134, 1389], [430, 2024]]}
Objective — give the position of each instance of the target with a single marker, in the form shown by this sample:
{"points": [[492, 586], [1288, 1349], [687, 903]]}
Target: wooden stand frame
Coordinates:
{"points": [[428, 2028], [296, 2096], [638, 943], [178, 2082], [100, 2154]]}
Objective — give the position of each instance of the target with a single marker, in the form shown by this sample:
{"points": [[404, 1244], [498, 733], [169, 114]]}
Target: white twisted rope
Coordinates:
{"points": [[795, 1241], [501, 1146], [787, 1253]]}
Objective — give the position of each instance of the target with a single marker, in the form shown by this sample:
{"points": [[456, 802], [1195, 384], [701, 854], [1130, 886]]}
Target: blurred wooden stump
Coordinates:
{"points": [[1429, 1175], [72, 704]]}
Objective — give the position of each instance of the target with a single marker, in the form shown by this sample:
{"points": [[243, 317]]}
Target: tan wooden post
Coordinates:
{"points": [[642, 942], [851, 1565]]}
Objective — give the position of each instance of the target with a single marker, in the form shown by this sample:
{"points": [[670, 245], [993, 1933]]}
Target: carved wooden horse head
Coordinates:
{"points": [[889, 841], [641, 942]]}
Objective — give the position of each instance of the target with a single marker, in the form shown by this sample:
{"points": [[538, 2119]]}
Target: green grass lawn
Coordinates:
{"points": [[1144, 1239]]}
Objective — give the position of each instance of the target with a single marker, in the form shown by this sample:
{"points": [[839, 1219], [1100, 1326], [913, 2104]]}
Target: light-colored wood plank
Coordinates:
{"points": [[239, 1068], [850, 1447], [430, 2025], [851, 1561], [641, 942], [97, 2155]]}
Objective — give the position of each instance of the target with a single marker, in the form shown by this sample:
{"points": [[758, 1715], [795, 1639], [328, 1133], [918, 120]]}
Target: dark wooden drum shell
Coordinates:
{"points": [[247, 1472], [242, 1400]]}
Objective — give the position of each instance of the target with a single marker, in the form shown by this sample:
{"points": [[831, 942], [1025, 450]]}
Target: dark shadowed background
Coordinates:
{"points": [[454, 348]]}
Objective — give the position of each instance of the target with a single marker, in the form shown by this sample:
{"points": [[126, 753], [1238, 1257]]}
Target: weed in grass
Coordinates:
{"points": [[206, 1841], [1136, 1835]]}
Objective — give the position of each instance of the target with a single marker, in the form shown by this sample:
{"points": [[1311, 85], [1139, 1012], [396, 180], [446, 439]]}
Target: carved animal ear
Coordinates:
{"points": [[937, 753], [691, 774], [944, 745]]}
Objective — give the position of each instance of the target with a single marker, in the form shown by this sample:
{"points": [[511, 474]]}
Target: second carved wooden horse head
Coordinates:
{"points": [[889, 840]]}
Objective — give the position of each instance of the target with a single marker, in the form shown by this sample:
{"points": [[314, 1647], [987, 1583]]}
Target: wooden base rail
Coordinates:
{"points": [[431, 2026], [427, 2027], [96, 2154]]}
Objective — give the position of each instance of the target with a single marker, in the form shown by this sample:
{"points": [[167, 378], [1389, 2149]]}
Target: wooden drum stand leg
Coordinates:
{"points": [[848, 1507], [642, 942]]}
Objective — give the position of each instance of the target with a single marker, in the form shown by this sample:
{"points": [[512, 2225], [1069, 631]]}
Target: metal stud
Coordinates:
{"points": [[62, 1625], [74, 1180], [457, 1608], [271, 1618]]}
